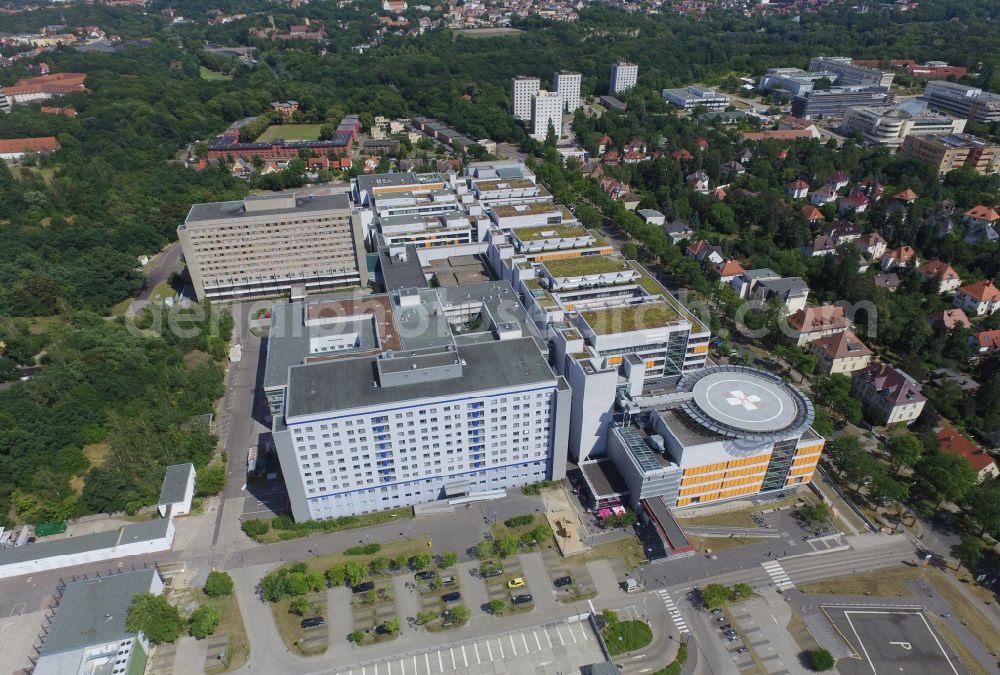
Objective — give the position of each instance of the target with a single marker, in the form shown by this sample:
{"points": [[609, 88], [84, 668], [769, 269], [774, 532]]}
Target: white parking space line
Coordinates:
{"points": [[475, 646], [489, 649], [583, 632], [454, 665], [427, 661], [513, 648], [440, 662], [562, 642], [537, 641], [500, 643], [525, 641], [465, 659]]}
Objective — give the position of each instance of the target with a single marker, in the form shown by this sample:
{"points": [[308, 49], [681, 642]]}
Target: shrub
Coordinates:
{"points": [[336, 575], [204, 621], [210, 480], [742, 591], [379, 566], [484, 549], [497, 606], [367, 549], [299, 606], [715, 595], [255, 528], [154, 616], [282, 522], [821, 660], [420, 561], [218, 583], [426, 616], [356, 637], [391, 624], [447, 559], [519, 521]]}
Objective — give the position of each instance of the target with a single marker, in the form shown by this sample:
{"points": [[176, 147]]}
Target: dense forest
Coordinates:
{"points": [[110, 405]]}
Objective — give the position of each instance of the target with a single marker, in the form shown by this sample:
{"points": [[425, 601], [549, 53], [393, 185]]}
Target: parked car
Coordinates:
{"points": [[364, 587], [563, 581], [454, 596], [521, 599], [425, 575], [516, 582], [313, 622], [726, 626], [716, 611], [742, 650], [447, 581], [495, 572]]}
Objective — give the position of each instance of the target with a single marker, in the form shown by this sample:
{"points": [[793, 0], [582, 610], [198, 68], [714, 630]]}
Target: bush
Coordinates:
{"points": [[336, 575], [218, 583], [537, 487], [210, 480], [299, 606], [282, 522], [484, 549], [367, 549], [204, 621], [356, 637], [742, 591], [391, 624], [154, 616], [255, 528], [519, 521], [447, 559], [821, 660], [420, 561], [380, 566], [497, 606], [715, 595], [426, 616]]}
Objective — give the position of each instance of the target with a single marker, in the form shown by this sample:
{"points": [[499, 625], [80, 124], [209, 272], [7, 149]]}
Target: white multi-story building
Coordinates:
{"points": [[546, 112], [850, 73], [411, 413], [522, 88], [623, 76], [692, 97], [890, 126], [568, 85]]}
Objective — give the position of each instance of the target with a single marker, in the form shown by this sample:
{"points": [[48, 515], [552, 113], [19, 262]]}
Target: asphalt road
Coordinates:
{"points": [[165, 262]]}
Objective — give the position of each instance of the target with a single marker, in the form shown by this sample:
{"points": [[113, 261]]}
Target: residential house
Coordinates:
{"points": [[948, 279], [678, 231], [981, 233], [946, 319], [702, 143], [798, 189], [891, 394], [842, 352], [843, 231], [985, 341], [630, 201], [965, 383], [871, 189], [942, 223], [838, 181], [872, 245], [887, 280], [906, 196], [958, 444], [681, 155], [611, 157], [979, 299], [898, 257], [16, 148], [821, 245], [634, 157], [745, 283], [727, 270], [704, 252], [812, 214], [823, 196], [698, 181], [652, 216], [979, 216], [242, 168], [856, 202], [603, 143], [812, 323], [791, 291], [733, 168]]}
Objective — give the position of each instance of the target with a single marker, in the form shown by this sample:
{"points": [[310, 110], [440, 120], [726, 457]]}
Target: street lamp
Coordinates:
{"points": [[495, 517]]}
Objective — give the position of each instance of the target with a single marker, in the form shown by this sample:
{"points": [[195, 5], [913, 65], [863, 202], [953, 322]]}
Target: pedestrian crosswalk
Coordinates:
{"points": [[778, 575], [675, 613]]}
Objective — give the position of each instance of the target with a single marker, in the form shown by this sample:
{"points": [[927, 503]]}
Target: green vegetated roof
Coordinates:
{"points": [[544, 232], [584, 265], [630, 318]]}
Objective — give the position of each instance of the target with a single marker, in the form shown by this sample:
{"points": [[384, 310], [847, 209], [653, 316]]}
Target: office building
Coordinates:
{"points": [[623, 76], [693, 97], [568, 85], [952, 151], [88, 634], [958, 99], [546, 113], [272, 244], [850, 73], [448, 394], [889, 126], [795, 81], [836, 101], [521, 90]]}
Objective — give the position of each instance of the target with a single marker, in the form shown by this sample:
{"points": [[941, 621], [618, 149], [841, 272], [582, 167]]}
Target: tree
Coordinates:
{"points": [[391, 625], [885, 489], [296, 583], [155, 617], [355, 572], [379, 566], [905, 449], [426, 616], [336, 575], [459, 614], [401, 561], [628, 519], [610, 617], [357, 637], [821, 660], [299, 606], [969, 551], [421, 561], [506, 545], [218, 583], [204, 621], [210, 480], [983, 506], [742, 591], [447, 559], [497, 606], [813, 514], [484, 549], [949, 476], [715, 595], [834, 391], [255, 527]]}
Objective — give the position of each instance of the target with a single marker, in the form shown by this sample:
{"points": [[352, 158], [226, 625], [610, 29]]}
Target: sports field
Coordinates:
{"points": [[291, 132]]}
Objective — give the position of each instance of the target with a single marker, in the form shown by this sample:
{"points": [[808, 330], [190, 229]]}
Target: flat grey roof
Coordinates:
{"points": [[93, 612], [318, 387], [604, 478], [785, 285], [175, 483], [287, 342], [147, 531], [152, 529], [398, 274], [304, 203]]}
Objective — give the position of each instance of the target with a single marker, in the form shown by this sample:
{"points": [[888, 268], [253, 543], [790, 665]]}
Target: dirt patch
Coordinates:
{"points": [[196, 358], [97, 454]]}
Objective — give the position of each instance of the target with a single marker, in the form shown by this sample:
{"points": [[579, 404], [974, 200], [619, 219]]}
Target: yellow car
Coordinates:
{"points": [[516, 582]]}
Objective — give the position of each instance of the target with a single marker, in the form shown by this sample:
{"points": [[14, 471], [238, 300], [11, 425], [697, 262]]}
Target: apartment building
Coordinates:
{"points": [[889, 126], [953, 151], [428, 414], [568, 85], [842, 352], [265, 245], [850, 73], [546, 113], [891, 394], [624, 75], [522, 88], [958, 99], [692, 97], [836, 101]]}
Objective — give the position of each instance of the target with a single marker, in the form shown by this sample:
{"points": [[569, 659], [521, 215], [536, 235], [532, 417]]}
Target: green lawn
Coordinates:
{"points": [[627, 636], [212, 75], [291, 132]]}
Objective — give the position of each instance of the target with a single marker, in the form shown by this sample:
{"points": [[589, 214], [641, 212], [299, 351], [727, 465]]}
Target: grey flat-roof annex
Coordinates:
{"points": [[304, 203], [146, 531], [175, 482]]}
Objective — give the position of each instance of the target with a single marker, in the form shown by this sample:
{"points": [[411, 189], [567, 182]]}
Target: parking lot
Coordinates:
{"points": [[893, 641], [552, 648]]}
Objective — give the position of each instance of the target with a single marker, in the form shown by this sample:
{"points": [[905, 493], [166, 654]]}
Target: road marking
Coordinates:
{"points": [[440, 662], [562, 642], [537, 641], [583, 632], [427, 661], [547, 638], [465, 659], [511, 637], [500, 644], [475, 645], [454, 666], [401, 668], [489, 649], [778, 575], [525, 641]]}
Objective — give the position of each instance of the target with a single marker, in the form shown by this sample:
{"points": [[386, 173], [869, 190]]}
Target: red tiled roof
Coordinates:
{"points": [[949, 318], [812, 213], [983, 291], [41, 144], [824, 317], [842, 345], [903, 254], [938, 269], [906, 195], [799, 185], [729, 268], [983, 213], [987, 340], [958, 444]]}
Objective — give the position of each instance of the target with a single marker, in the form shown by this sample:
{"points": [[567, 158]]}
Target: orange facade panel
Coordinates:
{"points": [[809, 449], [799, 471], [700, 488], [803, 461], [556, 256]]}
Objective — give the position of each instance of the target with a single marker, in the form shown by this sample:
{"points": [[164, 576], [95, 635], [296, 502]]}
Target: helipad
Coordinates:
{"points": [[734, 401]]}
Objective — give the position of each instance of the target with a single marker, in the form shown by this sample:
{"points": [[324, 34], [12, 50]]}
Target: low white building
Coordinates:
{"points": [[177, 491], [980, 299]]}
